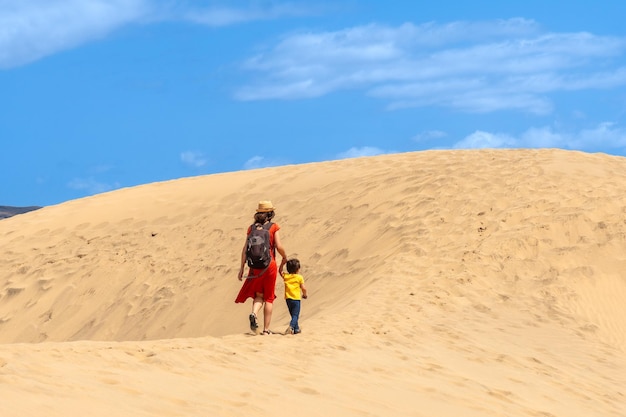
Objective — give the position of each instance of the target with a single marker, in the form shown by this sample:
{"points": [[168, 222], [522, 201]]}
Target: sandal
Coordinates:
{"points": [[267, 332], [253, 323]]}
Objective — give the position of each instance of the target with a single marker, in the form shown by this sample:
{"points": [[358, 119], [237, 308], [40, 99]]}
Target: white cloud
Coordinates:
{"points": [[33, 29], [359, 152], [254, 162], [193, 159], [230, 14], [474, 67], [470, 66], [544, 137], [603, 136], [607, 134], [480, 139], [101, 169], [30, 30], [257, 162], [355, 152], [91, 185], [428, 135]]}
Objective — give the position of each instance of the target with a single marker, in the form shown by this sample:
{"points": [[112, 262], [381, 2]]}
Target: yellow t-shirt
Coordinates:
{"points": [[292, 286]]}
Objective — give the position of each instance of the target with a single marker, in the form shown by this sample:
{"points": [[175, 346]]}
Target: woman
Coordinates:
{"points": [[260, 283]]}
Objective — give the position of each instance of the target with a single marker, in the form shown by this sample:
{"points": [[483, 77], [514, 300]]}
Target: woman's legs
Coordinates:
{"points": [[264, 299], [267, 310], [257, 303], [267, 315], [269, 288]]}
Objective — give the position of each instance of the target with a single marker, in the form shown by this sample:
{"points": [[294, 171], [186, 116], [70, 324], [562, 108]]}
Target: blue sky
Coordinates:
{"points": [[97, 95]]}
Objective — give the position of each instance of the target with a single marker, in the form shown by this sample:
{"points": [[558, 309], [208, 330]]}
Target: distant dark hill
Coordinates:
{"points": [[8, 211]]}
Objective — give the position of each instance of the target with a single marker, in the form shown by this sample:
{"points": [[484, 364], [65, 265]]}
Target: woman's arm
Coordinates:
{"points": [[279, 247], [243, 259]]}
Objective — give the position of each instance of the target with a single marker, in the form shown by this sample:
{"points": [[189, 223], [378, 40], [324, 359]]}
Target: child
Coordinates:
{"points": [[294, 289]]}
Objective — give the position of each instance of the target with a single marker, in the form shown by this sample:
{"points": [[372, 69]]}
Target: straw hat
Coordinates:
{"points": [[265, 207]]}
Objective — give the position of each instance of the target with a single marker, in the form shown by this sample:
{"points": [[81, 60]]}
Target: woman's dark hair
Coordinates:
{"points": [[260, 218], [263, 217], [293, 265]]}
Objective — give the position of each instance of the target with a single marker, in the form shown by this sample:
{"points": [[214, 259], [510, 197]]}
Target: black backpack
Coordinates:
{"points": [[258, 248]]}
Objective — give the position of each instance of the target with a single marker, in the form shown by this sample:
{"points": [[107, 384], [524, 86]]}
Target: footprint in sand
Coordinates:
{"points": [[309, 391]]}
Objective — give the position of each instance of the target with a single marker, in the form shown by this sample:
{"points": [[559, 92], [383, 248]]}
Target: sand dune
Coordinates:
{"points": [[442, 283]]}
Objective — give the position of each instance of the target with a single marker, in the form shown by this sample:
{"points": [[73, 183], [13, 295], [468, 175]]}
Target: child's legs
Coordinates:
{"points": [[294, 310]]}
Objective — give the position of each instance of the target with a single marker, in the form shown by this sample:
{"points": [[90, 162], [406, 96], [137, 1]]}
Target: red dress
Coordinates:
{"points": [[264, 283]]}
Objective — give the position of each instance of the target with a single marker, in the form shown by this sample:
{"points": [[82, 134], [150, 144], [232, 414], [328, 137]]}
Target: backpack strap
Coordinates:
{"points": [[273, 245], [268, 224], [259, 274]]}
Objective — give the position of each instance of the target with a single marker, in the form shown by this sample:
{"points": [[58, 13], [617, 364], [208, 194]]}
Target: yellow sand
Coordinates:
{"points": [[441, 283]]}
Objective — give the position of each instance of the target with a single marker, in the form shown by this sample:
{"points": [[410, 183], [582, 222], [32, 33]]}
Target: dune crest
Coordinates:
{"points": [[445, 282]]}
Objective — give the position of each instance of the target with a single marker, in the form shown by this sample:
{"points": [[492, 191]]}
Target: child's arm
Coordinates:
{"points": [[303, 288]]}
